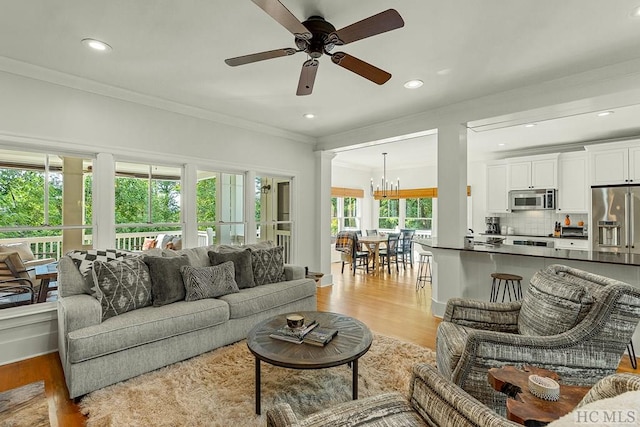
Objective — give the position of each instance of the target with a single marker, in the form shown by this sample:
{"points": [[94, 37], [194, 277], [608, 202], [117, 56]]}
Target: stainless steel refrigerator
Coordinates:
{"points": [[615, 218]]}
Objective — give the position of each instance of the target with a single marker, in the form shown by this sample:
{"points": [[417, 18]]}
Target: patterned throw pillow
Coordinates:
{"points": [[241, 264], [121, 285], [209, 282], [268, 265], [84, 259]]}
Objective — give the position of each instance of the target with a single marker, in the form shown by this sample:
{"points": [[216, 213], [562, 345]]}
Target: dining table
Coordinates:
{"points": [[372, 244]]}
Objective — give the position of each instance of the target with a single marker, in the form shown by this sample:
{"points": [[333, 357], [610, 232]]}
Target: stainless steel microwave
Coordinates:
{"points": [[528, 200]]}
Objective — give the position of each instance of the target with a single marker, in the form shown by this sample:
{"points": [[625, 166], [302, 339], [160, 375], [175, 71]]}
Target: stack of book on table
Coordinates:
{"points": [[310, 334]]}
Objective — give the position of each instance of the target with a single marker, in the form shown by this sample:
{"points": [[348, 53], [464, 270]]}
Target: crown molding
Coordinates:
{"points": [[24, 69]]}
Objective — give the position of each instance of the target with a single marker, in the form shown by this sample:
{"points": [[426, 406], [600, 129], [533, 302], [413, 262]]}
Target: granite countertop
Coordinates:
{"points": [[547, 236], [536, 251]]}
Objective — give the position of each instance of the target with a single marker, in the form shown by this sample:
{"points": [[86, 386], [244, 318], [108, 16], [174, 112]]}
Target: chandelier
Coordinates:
{"points": [[385, 189]]}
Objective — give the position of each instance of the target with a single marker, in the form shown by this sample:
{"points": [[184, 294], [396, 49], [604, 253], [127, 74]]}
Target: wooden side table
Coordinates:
{"points": [[46, 273], [525, 408]]}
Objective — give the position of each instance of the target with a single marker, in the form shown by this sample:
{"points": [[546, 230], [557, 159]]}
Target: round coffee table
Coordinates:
{"points": [[353, 340]]}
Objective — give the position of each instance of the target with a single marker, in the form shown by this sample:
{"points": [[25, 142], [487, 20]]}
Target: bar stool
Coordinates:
{"points": [[509, 279], [424, 268]]}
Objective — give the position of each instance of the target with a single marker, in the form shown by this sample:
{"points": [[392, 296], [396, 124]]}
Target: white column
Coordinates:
{"points": [[104, 202], [451, 226], [188, 206], [323, 201]]}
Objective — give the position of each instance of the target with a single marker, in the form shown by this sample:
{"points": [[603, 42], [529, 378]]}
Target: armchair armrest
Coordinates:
{"points": [[19, 284], [493, 316], [282, 416], [443, 403], [611, 386]]}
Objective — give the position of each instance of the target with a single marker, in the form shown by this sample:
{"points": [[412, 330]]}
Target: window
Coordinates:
{"points": [[45, 202], [418, 213], [220, 208], [345, 214], [147, 199], [388, 214]]}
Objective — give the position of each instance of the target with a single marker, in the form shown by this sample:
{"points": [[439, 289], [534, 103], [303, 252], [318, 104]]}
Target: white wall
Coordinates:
{"points": [[44, 116]]}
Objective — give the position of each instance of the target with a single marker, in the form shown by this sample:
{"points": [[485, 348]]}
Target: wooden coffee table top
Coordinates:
{"points": [[523, 406], [353, 340]]}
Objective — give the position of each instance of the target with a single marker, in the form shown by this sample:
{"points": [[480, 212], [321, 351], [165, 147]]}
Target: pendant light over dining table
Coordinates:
{"points": [[385, 189]]}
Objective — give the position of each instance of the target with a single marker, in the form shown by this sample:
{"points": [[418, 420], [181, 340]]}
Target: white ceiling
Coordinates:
{"points": [[461, 49]]}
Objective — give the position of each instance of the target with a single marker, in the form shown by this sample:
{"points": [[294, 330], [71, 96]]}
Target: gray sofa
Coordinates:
{"points": [[96, 353], [435, 401]]}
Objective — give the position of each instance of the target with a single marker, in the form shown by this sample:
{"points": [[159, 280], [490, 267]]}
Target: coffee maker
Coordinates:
{"points": [[493, 224]]}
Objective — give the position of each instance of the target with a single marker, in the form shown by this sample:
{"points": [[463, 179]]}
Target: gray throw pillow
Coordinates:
{"points": [[241, 264], [121, 285], [268, 265], [166, 280], [209, 282]]}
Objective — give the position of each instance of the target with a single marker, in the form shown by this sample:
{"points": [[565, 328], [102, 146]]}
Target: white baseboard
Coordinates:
{"points": [[28, 331]]}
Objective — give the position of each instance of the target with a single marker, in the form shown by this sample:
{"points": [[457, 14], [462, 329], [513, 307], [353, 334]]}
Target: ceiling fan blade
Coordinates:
{"points": [[255, 57], [382, 22], [360, 67], [277, 11], [307, 77]]}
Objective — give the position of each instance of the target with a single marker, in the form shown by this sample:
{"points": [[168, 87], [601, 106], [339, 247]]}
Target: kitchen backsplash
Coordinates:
{"points": [[539, 223]]}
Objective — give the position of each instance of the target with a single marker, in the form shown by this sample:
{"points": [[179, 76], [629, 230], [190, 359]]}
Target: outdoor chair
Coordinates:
{"points": [[390, 252], [28, 257], [17, 286], [570, 321], [372, 232]]}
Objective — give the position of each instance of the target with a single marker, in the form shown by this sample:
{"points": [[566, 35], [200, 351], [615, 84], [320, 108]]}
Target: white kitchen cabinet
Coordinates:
{"points": [[497, 192], [572, 183], [615, 163], [575, 244], [534, 173]]}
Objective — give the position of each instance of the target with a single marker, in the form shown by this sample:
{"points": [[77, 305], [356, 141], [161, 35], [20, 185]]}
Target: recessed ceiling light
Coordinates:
{"points": [[96, 45], [308, 115], [604, 113], [444, 72], [501, 144], [413, 84], [529, 125], [635, 13]]}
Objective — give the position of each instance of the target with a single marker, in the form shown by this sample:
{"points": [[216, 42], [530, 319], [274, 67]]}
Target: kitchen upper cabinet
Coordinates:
{"points": [[497, 192], [572, 183], [615, 163], [535, 173]]}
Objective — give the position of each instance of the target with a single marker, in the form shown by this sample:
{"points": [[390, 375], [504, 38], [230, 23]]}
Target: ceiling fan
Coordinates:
{"points": [[316, 37]]}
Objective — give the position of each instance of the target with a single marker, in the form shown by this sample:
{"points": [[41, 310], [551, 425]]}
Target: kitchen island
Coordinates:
{"points": [[465, 270]]}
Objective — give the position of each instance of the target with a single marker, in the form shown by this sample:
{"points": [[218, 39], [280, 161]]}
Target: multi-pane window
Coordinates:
{"points": [[32, 206], [147, 201], [345, 214], [418, 213], [389, 214]]}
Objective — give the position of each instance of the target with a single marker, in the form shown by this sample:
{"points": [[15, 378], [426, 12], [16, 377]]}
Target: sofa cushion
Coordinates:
{"points": [[145, 325], [552, 305], [250, 301], [167, 285], [268, 265], [23, 249], [241, 264], [198, 257], [266, 244], [450, 341], [209, 282], [122, 285]]}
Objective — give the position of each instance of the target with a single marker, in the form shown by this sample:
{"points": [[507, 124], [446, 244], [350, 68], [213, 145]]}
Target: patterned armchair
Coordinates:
{"points": [[347, 244], [572, 322], [436, 401]]}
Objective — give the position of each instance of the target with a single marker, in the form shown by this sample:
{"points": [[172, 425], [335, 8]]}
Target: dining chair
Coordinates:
{"points": [[17, 286], [390, 252], [372, 232], [405, 249], [347, 244]]}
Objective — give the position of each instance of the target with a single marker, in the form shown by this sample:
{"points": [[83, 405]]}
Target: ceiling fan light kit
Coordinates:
{"points": [[317, 37]]}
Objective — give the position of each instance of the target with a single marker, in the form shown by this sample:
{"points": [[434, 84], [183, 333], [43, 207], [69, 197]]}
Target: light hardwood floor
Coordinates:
{"points": [[388, 303]]}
